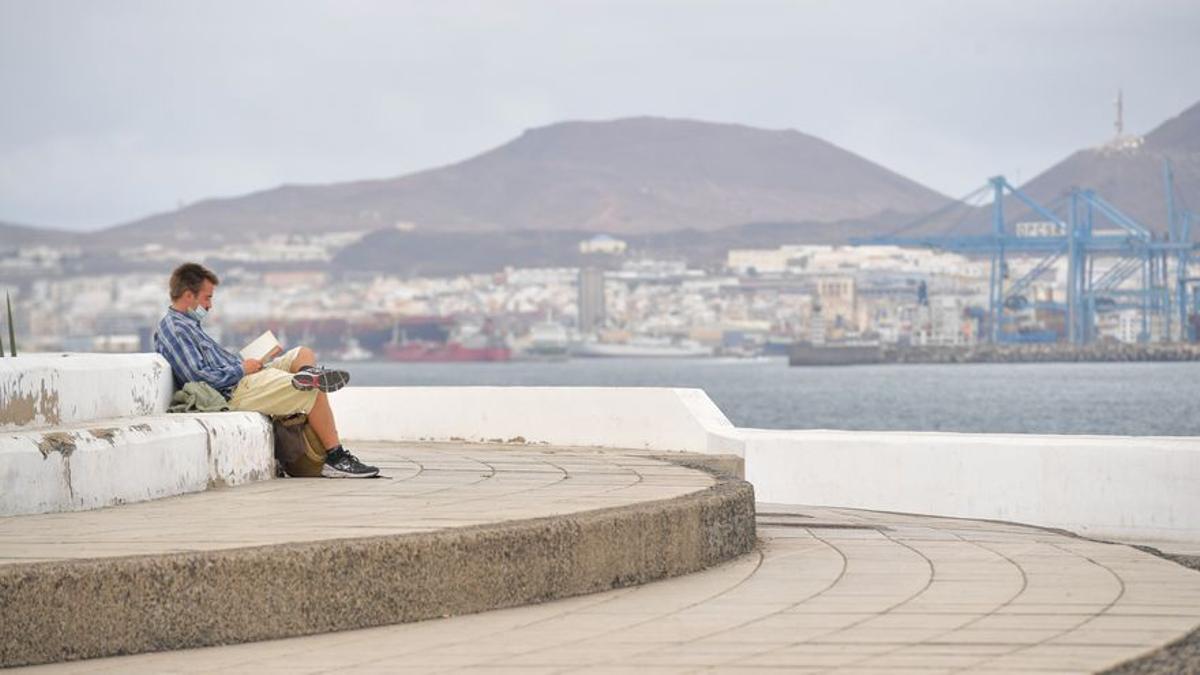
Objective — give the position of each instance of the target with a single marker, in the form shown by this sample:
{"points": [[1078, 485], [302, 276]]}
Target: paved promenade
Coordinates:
{"points": [[828, 590]]}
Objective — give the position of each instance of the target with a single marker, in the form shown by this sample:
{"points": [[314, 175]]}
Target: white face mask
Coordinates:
{"points": [[198, 313]]}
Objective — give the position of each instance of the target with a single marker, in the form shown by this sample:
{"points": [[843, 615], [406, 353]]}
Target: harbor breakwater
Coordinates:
{"points": [[836, 355]]}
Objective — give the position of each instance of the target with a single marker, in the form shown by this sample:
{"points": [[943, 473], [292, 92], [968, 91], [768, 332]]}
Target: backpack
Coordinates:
{"points": [[297, 449]]}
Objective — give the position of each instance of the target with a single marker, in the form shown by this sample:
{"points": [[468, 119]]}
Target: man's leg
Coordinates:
{"points": [[300, 358], [320, 418], [304, 357], [272, 392]]}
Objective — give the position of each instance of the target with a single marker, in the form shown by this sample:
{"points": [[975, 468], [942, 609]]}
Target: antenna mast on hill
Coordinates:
{"points": [[1121, 142], [1120, 124]]}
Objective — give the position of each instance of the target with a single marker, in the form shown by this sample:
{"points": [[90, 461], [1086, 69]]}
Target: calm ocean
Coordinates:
{"points": [[1070, 398]]}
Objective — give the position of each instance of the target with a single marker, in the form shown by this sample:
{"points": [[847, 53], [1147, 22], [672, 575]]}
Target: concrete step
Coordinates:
{"points": [[105, 462], [39, 391], [457, 529]]}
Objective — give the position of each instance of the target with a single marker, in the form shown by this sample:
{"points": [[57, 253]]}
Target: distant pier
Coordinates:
{"points": [[845, 355]]}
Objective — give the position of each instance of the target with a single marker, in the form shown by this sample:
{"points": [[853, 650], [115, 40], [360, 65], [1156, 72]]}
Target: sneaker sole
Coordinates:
{"points": [[330, 472], [327, 381]]}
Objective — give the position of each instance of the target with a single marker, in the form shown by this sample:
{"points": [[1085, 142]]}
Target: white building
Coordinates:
{"points": [[602, 243]]}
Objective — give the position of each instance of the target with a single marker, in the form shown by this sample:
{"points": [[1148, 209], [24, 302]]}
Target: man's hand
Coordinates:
{"points": [[252, 366]]}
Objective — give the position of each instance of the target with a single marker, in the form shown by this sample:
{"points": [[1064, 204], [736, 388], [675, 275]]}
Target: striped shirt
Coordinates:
{"points": [[193, 355]]}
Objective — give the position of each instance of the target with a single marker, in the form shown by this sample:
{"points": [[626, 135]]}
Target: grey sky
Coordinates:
{"points": [[115, 110]]}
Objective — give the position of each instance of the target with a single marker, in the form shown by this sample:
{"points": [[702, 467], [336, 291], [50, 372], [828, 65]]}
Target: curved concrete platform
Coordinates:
{"points": [[456, 529], [829, 590]]}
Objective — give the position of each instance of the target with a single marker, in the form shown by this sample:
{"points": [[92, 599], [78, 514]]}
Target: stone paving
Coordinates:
{"points": [[430, 486], [829, 590]]}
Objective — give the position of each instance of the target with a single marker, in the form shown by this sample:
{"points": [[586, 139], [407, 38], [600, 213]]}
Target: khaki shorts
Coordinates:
{"points": [[270, 390]]}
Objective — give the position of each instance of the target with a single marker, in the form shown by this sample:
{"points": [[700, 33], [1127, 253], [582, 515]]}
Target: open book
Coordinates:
{"points": [[264, 348]]}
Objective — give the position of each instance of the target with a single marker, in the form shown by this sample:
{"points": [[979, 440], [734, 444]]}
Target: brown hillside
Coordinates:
{"points": [[630, 176]]}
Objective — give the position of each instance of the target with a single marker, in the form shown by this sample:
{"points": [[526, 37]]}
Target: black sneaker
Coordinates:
{"points": [[322, 378], [339, 463]]}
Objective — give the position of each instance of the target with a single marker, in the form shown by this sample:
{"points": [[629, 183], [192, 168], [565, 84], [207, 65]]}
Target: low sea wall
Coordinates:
{"points": [[617, 417], [1107, 486]]}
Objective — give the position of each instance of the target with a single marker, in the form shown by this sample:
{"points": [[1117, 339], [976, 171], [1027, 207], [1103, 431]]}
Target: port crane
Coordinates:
{"points": [[1080, 227]]}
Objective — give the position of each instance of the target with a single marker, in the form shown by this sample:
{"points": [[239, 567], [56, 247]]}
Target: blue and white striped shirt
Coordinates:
{"points": [[193, 355]]}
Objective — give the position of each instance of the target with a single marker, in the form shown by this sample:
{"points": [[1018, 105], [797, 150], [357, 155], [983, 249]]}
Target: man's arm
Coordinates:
{"points": [[184, 353]]}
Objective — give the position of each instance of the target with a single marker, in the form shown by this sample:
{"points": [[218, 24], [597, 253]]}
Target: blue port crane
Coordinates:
{"points": [[1070, 228]]}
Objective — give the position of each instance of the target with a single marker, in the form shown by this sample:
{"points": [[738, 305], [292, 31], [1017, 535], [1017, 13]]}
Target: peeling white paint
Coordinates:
{"points": [[84, 431], [135, 459], [49, 390], [241, 447]]}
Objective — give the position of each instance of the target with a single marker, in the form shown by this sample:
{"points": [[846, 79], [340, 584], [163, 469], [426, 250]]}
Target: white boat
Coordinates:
{"points": [[641, 347], [547, 341], [353, 352]]}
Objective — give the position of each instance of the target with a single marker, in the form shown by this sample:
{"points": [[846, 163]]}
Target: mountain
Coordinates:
{"points": [[1131, 177], [624, 177], [23, 235]]}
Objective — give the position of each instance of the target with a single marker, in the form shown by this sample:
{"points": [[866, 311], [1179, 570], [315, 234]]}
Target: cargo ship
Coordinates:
{"points": [[445, 352], [641, 347], [452, 345]]}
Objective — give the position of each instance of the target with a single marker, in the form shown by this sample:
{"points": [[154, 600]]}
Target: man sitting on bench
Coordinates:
{"points": [[290, 383]]}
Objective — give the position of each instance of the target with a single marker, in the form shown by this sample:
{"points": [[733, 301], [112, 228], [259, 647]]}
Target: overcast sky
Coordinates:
{"points": [[112, 110]]}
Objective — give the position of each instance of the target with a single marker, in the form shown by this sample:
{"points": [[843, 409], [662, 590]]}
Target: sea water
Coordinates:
{"points": [[1068, 398]]}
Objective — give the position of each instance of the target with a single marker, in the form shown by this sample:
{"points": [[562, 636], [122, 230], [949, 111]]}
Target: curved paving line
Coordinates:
{"points": [[481, 479], [74, 609], [640, 477], [967, 624], [608, 597], [757, 564], [761, 558], [563, 475], [420, 469], [1085, 621], [840, 629], [657, 617]]}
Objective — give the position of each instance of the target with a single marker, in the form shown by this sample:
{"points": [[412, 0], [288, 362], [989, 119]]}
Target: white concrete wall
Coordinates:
{"points": [[642, 418], [49, 390], [109, 462], [1105, 486]]}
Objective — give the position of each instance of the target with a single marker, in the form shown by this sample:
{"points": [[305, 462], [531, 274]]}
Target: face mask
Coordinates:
{"points": [[198, 313]]}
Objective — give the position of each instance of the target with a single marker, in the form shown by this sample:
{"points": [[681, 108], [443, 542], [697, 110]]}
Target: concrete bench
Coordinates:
{"points": [[85, 431]]}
